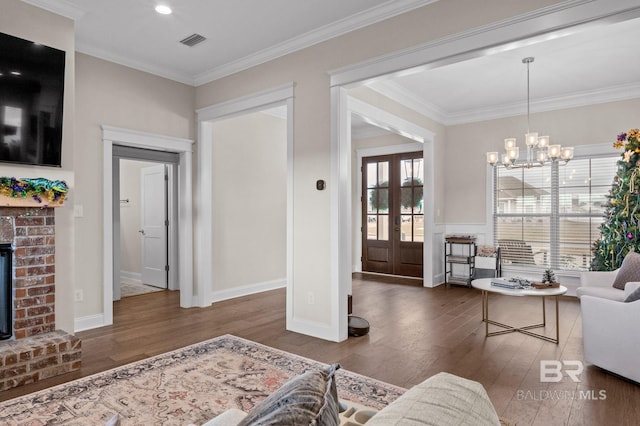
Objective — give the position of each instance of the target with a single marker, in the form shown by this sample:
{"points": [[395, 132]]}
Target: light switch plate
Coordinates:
{"points": [[78, 211]]}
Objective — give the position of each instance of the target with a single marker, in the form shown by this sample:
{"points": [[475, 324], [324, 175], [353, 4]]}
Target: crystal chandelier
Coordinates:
{"points": [[539, 152]]}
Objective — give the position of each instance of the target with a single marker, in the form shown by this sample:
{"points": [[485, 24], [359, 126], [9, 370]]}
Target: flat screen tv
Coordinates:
{"points": [[31, 100]]}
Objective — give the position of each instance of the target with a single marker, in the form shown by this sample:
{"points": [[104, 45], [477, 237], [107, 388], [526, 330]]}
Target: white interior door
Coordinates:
{"points": [[154, 225]]}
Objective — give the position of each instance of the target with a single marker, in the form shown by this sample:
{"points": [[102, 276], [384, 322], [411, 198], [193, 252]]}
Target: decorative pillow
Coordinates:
{"points": [[629, 270], [633, 296], [308, 399]]}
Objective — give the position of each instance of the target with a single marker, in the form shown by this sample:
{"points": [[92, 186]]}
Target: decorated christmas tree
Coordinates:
{"points": [[620, 231]]}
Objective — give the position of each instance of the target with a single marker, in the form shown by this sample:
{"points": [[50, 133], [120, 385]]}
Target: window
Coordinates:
{"points": [[549, 217]]}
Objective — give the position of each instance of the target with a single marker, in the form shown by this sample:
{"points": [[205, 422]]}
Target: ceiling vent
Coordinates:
{"points": [[192, 40]]}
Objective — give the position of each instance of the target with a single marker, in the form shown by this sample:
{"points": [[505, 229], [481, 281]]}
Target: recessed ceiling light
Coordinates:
{"points": [[16, 73], [163, 10]]}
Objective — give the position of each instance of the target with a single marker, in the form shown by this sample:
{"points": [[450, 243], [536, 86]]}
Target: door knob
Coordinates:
{"points": [[141, 231]]}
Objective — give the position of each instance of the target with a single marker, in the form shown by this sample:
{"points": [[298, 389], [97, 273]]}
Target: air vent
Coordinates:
{"points": [[193, 39]]}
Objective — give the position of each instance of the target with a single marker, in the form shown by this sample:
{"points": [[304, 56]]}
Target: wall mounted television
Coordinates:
{"points": [[31, 101]]}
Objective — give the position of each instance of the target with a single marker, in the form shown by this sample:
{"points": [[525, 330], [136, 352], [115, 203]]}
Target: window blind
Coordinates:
{"points": [[549, 217]]}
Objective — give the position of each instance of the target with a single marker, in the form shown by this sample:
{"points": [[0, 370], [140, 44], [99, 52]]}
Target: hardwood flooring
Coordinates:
{"points": [[415, 333]]}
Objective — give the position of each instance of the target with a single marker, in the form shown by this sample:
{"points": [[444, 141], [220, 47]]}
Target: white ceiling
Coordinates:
{"points": [[240, 33], [597, 65]]}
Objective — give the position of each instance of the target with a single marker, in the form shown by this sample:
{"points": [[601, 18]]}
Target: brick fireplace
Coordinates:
{"points": [[36, 350]]}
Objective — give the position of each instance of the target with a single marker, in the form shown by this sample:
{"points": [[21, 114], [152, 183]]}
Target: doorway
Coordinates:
{"points": [[144, 218], [393, 211], [145, 255]]}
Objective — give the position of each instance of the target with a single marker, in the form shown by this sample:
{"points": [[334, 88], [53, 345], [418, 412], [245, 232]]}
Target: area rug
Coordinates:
{"points": [[189, 385], [129, 287]]}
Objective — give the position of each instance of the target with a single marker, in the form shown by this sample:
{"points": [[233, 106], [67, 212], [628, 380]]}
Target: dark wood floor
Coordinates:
{"points": [[415, 333]]}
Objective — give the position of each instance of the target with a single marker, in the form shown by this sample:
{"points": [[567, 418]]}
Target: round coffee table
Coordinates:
{"points": [[484, 284]]}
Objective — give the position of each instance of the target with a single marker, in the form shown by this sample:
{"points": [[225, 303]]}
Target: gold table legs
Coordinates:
{"points": [[525, 329]]}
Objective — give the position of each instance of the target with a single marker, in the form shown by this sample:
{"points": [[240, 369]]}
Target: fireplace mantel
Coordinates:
{"points": [[6, 201], [32, 192]]}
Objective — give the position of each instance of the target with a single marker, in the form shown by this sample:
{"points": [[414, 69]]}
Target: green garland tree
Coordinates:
{"points": [[620, 231]]}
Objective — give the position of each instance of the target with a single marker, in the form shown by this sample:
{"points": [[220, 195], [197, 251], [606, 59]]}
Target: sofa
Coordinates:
{"points": [[609, 324], [443, 399]]}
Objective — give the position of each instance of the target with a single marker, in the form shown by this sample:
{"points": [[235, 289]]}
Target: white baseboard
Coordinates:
{"points": [[220, 295], [310, 328], [89, 322]]}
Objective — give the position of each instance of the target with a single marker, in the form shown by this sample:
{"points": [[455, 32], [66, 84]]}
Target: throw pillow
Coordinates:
{"points": [[629, 270], [308, 399], [633, 296]]}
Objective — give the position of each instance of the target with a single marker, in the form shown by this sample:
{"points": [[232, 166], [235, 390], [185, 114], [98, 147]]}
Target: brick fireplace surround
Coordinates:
{"points": [[38, 350]]}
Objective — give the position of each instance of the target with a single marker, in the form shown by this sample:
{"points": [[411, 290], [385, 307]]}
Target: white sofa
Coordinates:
{"points": [[443, 399], [609, 325]]}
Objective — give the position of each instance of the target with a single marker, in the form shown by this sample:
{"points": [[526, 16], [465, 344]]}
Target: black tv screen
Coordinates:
{"points": [[31, 100]]}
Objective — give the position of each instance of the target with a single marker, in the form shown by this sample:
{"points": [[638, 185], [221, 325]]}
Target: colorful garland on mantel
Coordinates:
{"points": [[53, 190]]}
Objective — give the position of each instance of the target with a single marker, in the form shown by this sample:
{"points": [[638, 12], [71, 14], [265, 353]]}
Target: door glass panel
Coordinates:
{"points": [[418, 228], [383, 173], [378, 201], [417, 169], [372, 175], [406, 171], [383, 200], [383, 227], [406, 199], [371, 201], [406, 228], [372, 227]]}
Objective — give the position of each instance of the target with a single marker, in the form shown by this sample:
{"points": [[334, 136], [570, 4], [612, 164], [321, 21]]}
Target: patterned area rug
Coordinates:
{"points": [[129, 287], [190, 385]]}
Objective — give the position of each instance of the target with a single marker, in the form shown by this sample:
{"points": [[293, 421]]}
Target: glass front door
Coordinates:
{"points": [[393, 214]]}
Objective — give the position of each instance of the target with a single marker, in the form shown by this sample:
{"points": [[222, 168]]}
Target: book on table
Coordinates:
{"points": [[507, 283]]}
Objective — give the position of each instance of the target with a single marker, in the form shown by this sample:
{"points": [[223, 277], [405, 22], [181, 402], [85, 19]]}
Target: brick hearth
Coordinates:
{"points": [[38, 351]]}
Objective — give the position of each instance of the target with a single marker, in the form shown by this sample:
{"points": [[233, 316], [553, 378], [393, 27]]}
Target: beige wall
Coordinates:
{"points": [[309, 69], [111, 94], [130, 214], [250, 200], [106, 93], [22, 20], [467, 145]]}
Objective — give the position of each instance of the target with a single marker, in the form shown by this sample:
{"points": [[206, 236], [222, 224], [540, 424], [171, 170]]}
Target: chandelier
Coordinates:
{"points": [[539, 152]]}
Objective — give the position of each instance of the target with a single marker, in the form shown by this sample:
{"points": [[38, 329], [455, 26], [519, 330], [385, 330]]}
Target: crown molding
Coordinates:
{"points": [[405, 97], [59, 7], [386, 10], [572, 100]]}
